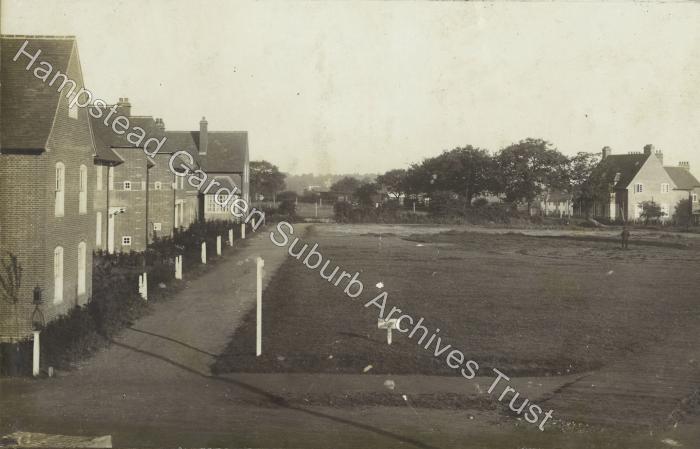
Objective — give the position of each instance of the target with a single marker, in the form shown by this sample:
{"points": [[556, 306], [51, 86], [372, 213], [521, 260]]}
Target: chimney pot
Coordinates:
{"points": [[124, 107], [648, 149], [607, 151]]}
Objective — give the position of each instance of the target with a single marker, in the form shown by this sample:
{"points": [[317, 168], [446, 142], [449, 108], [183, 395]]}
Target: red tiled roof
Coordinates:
{"points": [[28, 104]]}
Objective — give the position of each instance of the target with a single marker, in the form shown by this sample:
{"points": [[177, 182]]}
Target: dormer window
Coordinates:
{"points": [[617, 177]]}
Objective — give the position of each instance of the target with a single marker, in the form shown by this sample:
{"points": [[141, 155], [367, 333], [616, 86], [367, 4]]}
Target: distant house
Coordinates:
{"points": [[47, 174], [223, 156], [634, 178], [557, 203]]}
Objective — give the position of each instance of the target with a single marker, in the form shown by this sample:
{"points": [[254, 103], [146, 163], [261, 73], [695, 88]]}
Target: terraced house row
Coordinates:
{"points": [[69, 185]]}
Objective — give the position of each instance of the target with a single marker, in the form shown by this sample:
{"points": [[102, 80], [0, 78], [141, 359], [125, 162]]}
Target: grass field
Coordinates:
{"points": [[526, 305]]}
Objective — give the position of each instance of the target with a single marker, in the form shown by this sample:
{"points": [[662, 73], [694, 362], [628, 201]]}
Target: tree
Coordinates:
{"points": [[394, 182], [366, 194], [585, 184], [346, 185], [467, 171], [528, 168], [683, 214], [265, 179], [651, 211]]}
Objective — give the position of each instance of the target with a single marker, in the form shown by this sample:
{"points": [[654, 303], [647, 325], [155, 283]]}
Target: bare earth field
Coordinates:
{"points": [[537, 306]]}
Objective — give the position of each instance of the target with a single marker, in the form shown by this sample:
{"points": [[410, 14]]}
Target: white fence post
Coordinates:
{"points": [[143, 286], [243, 231], [230, 237], [178, 267], [204, 252], [35, 355], [218, 245], [258, 333]]}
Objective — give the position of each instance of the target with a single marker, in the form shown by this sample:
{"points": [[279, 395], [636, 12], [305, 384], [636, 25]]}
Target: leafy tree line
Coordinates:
{"points": [[519, 173]]}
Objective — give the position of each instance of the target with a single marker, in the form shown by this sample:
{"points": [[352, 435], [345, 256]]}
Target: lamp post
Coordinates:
{"points": [[38, 323]]}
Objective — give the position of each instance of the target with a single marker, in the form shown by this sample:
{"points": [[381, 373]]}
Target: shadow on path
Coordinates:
{"points": [[281, 402], [169, 339]]}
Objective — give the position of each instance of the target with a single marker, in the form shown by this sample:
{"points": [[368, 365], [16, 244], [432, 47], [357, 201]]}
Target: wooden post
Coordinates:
{"points": [[178, 267], [316, 207], [388, 325], [258, 333], [230, 237], [35, 355], [143, 286], [204, 252], [218, 245], [243, 231]]}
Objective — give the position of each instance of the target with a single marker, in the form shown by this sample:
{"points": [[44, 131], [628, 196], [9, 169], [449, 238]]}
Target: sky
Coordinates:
{"points": [[364, 87]]}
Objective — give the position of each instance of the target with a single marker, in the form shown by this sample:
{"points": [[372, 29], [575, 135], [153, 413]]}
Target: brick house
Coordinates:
{"points": [[223, 156], [140, 180], [47, 157], [634, 178]]}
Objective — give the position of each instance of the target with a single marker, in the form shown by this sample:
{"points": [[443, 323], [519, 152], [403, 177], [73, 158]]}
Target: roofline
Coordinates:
{"points": [[5, 150], [39, 36], [208, 132]]}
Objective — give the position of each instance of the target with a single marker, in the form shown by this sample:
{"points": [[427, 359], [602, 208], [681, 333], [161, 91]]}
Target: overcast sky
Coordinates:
{"points": [[365, 87]]}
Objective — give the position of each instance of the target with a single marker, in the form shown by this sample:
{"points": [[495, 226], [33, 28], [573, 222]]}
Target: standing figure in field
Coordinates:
{"points": [[625, 238]]}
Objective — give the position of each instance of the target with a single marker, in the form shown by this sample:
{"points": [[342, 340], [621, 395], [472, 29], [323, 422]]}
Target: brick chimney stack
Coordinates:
{"points": [[124, 107], [685, 165], [648, 149], [607, 151], [660, 155], [203, 137], [160, 125]]}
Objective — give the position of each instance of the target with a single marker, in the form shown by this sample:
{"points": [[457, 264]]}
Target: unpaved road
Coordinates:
{"points": [[153, 387]]}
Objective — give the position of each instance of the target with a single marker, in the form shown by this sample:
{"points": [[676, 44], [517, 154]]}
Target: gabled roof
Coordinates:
{"points": [[682, 177], [104, 153], [114, 140], [620, 169], [226, 150], [28, 104]]}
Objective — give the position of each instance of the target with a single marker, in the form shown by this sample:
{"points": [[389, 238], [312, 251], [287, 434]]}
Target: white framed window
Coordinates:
{"points": [[126, 185], [72, 110], [98, 230], [82, 209], [60, 187], [58, 275], [126, 240], [665, 187], [639, 188], [157, 185], [82, 264], [211, 204], [98, 177], [110, 178], [695, 197], [157, 226]]}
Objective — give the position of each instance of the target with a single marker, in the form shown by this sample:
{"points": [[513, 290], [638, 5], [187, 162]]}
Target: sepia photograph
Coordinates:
{"points": [[349, 224]]}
